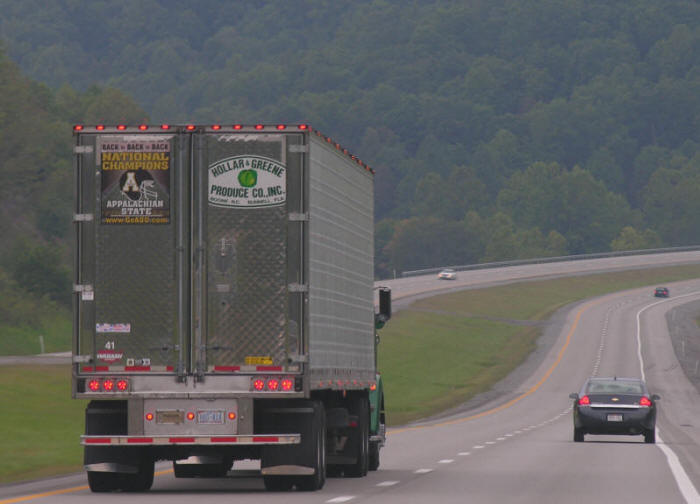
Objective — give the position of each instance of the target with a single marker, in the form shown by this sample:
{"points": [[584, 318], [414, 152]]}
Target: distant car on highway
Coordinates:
{"points": [[615, 406], [447, 274], [661, 292]]}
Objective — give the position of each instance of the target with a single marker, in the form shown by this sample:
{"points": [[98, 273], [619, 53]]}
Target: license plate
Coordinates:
{"points": [[614, 417], [170, 417], [210, 417]]}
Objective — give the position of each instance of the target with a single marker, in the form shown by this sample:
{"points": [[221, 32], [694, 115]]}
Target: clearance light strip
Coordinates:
{"points": [[245, 369], [101, 128], [277, 439], [114, 369]]}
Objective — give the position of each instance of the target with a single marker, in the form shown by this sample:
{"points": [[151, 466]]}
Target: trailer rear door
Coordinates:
{"points": [[249, 282], [129, 213]]}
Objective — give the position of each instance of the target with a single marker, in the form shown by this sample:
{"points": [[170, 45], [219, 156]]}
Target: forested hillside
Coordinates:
{"points": [[499, 129], [35, 203]]}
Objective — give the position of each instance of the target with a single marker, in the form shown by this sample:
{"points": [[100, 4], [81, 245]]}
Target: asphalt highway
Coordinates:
{"points": [[517, 445]]}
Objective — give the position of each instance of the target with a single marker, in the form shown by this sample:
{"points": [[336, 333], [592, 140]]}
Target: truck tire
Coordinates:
{"points": [[374, 456], [278, 483], [318, 445], [142, 481], [202, 470], [360, 439], [101, 482]]}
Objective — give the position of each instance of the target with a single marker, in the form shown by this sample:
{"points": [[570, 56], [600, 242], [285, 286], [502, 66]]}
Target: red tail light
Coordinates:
{"points": [[94, 385], [108, 385], [122, 385], [584, 401], [149, 417], [121, 127], [190, 416], [273, 384], [259, 384], [78, 127], [287, 384], [100, 127], [259, 126], [143, 127], [645, 401]]}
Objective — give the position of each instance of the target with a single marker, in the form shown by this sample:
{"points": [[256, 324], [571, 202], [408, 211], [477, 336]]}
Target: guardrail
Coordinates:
{"points": [[542, 260]]}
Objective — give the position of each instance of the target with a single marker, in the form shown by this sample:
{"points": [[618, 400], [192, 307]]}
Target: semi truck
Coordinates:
{"points": [[224, 304]]}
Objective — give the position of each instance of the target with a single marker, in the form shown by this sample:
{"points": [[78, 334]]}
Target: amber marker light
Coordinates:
{"points": [[231, 415], [190, 416], [149, 417]]}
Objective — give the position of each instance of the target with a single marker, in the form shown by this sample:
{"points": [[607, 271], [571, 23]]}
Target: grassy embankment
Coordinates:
{"points": [[439, 352], [53, 326]]}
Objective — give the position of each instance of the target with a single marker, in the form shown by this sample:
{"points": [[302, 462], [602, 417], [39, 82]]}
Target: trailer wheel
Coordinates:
{"points": [[318, 433], [278, 483], [141, 481], [361, 439], [374, 456], [219, 470], [101, 482]]}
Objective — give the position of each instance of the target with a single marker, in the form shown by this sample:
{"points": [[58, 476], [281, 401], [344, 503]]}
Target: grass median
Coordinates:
{"points": [[436, 354]]}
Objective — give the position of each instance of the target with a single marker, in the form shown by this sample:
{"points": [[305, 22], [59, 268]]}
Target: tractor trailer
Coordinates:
{"points": [[224, 304]]}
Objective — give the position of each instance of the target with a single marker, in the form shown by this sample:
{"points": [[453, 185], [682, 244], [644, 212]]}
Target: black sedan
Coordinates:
{"points": [[661, 292], [615, 406]]}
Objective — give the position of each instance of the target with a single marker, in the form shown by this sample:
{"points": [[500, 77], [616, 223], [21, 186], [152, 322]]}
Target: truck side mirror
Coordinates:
{"points": [[384, 314]]}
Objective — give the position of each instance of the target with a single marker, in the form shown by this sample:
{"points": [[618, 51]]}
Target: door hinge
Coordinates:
{"points": [[83, 217], [298, 217], [83, 149], [295, 287]]}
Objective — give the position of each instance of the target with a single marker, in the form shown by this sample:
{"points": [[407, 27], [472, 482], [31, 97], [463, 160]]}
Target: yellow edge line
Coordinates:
{"points": [[510, 403], [24, 498]]}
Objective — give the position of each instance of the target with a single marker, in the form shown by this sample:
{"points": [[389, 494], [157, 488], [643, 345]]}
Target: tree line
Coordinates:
{"points": [[498, 129]]}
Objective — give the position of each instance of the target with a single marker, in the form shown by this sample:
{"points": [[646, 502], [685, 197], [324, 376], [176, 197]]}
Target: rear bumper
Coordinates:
{"points": [[207, 440], [595, 421]]}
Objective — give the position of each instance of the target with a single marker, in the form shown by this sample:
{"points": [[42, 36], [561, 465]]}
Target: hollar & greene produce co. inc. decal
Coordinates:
{"points": [[247, 182], [135, 181]]}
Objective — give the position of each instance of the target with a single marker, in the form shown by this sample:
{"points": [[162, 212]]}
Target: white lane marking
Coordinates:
{"points": [[478, 447], [387, 483], [422, 471], [342, 498], [690, 494], [445, 461], [500, 439], [464, 454], [490, 442], [509, 435]]}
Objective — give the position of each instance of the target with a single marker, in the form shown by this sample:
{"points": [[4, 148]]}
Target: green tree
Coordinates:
{"points": [[631, 239]]}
